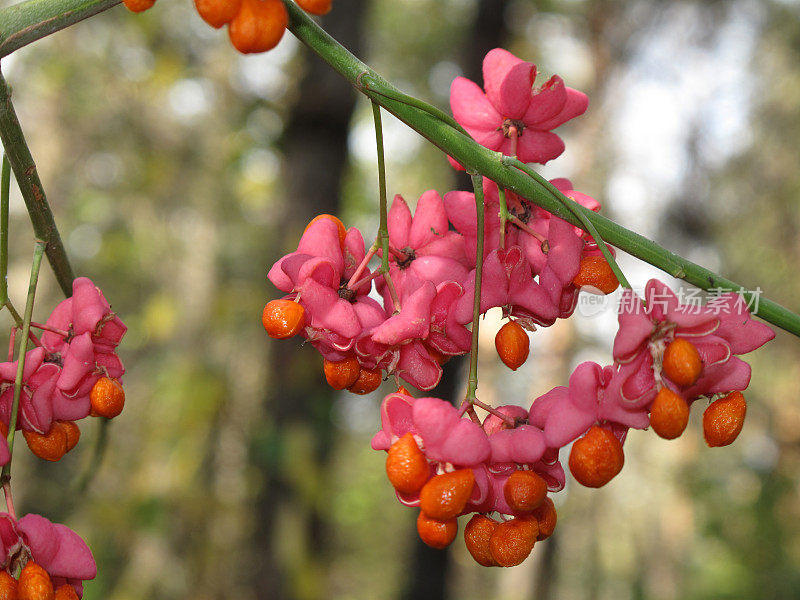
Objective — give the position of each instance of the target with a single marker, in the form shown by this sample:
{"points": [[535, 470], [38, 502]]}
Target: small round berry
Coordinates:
{"points": [[66, 592], [258, 26], [444, 496], [339, 225], [107, 398], [595, 272], [283, 319], [341, 374], [524, 491], [8, 586], [34, 583], [669, 414], [512, 541], [476, 538], [218, 12], [513, 345], [368, 381], [406, 466], [547, 518], [138, 6], [596, 458], [723, 420], [437, 534], [316, 7], [51, 446], [682, 362], [71, 431]]}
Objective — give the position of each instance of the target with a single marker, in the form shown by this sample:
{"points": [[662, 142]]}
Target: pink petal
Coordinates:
{"points": [[471, 108], [547, 102], [508, 82], [575, 105], [539, 146], [399, 221]]}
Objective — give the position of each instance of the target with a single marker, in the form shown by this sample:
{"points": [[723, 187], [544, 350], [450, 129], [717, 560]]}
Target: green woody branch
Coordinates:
{"points": [[490, 164]]}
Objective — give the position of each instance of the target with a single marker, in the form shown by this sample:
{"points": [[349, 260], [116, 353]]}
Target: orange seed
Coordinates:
{"points": [[258, 26], [547, 518], [34, 583], [341, 374], [437, 534], [138, 6], [476, 538], [444, 496], [66, 592], [512, 541], [682, 362], [406, 466], [340, 226], [283, 319], [596, 272], [8, 586], [218, 12], [723, 420], [107, 398], [596, 458], [669, 414], [524, 491], [316, 7], [368, 381], [51, 446], [513, 345], [71, 431]]}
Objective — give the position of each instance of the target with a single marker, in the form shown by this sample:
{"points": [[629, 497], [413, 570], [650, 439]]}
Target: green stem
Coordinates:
{"points": [[38, 252], [572, 207], [29, 21], [19, 155], [383, 227], [505, 216], [472, 381], [5, 186], [368, 83], [476, 158]]}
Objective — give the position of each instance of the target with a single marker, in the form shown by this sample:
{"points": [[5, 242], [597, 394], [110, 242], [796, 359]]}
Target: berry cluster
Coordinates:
{"points": [[73, 372], [444, 459], [253, 25], [52, 560]]}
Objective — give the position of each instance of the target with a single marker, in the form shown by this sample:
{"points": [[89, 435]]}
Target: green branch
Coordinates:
{"points": [[19, 155], [29, 21], [475, 157], [472, 381]]}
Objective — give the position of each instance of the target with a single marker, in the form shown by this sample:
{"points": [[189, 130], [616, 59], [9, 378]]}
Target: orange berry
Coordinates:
{"points": [[341, 374], [34, 583], [512, 541], [682, 362], [316, 7], [596, 272], [66, 592], [339, 225], [402, 390], [437, 534], [8, 586], [512, 345], [138, 6], [71, 431], [368, 381], [406, 466], [258, 26], [218, 12], [476, 538], [283, 319], [723, 419], [107, 398], [547, 518], [596, 458], [51, 446], [669, 414], [524, 491], [437, 356], [445, 496], [3, 429]]}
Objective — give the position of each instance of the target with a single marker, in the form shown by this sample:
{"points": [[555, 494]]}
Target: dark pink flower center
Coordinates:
{"points": [[516, 124], [404, 263]]}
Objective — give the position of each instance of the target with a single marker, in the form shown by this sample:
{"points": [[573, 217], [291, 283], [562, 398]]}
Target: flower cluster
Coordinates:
{"points": [[446, 460], [72, 372], [54, 560], [253, 25]]}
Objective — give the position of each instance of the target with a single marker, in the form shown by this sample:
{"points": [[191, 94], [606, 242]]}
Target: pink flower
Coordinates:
{"points": [[510, 102], [55, 547], [508, 282], [565, 413], [719, 330]]}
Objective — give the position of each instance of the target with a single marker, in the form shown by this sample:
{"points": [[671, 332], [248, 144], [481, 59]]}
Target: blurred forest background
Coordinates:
{"points": [[179, 171]]}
